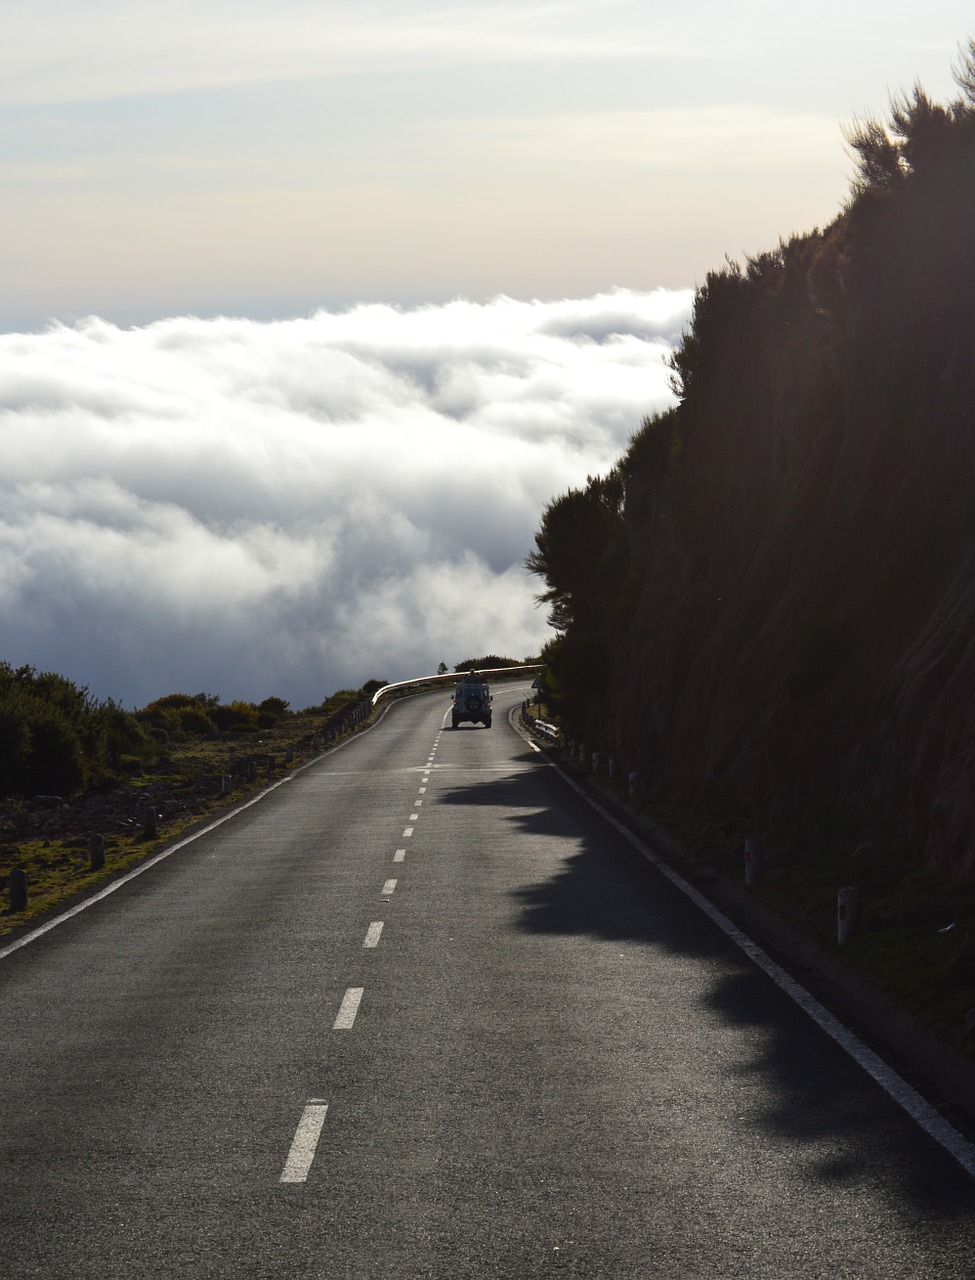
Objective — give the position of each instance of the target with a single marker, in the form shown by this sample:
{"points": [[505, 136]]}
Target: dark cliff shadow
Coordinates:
{"points": [[817, 1097]]}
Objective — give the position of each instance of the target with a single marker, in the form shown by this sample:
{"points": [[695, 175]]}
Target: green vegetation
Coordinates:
{"points": [[71, 766], [54, 736], [768, 599], [484, 664], [56, 739], [765, 610]]}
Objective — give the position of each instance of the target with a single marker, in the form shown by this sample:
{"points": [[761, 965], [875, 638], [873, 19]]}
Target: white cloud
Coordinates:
{"points": [[295, 506], [60, 51]]}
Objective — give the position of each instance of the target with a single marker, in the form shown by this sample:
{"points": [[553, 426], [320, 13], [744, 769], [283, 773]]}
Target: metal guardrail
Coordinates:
{"points": [[539, 726], [450, 677], [550, 730]]}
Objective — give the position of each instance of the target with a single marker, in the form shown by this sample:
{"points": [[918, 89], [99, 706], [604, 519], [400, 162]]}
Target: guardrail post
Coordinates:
{"points": [[847, 911], [17, 889], [753, 862], [251, 770], [595, 762], [96, 851], [224, 785], [633, 780], [611, 765]]}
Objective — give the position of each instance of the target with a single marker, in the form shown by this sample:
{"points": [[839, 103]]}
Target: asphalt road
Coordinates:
{"points": [[422, 1012]]}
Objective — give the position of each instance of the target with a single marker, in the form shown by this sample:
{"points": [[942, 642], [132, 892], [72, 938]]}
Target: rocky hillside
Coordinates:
{"points": [[769, 606]]}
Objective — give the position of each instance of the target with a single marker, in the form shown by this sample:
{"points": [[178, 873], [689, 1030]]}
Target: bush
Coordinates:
{"points": [[14, 744], [271, 711], [276, 708], [181, 713], [48, 733], [122, 735], [196, 720], [487, 663], [56, 761], [40, 750], [236, 717]]}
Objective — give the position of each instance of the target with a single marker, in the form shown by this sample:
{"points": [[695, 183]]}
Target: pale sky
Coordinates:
{"points": [[207, 157]]}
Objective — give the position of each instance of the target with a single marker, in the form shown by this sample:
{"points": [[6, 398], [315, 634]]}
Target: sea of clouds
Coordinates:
{"points": [[297, 506]]}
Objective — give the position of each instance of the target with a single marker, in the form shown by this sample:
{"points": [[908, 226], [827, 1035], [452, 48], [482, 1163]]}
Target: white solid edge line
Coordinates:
{"points": [[173, 848], [348, 1009], [907, 1098], [305, 1143]]}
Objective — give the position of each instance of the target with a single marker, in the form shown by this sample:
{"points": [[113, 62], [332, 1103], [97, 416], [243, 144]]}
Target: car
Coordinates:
{"points": [[472, 701]]}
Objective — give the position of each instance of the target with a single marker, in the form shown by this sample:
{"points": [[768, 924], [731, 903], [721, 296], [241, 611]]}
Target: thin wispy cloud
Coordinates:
{"points": [[55, 51], [295, 506], [106, 49]]}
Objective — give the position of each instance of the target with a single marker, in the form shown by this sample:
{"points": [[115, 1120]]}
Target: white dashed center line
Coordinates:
{"points": [[407, 833], [414, 817], [305, 1142], [348, 1009], [389, 887], [399, 855], [423, 791], [373, 934]]}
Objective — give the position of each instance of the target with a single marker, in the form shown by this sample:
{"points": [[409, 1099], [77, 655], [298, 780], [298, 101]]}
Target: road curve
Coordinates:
{"points": [[422, 1012]]}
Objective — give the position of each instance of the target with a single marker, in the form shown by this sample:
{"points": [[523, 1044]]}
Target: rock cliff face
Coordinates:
{"points": [[795, 626]]}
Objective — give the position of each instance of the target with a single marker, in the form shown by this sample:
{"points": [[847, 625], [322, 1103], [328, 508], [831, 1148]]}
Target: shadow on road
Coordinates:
{"points": [[814, 1095]]}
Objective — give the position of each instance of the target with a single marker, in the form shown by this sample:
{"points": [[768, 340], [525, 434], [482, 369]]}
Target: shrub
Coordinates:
{"points": [[196, 720], [271, 711], [236, 717], [14, 744], [181, 713], [487, 663], [56, 761], [48, 733], [121, 734]]}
